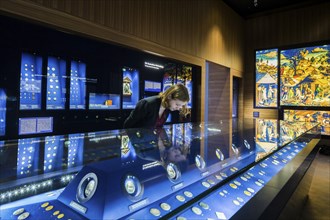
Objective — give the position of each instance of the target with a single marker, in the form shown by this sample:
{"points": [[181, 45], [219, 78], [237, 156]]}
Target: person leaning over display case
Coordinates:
{"points": [[153, 111]]}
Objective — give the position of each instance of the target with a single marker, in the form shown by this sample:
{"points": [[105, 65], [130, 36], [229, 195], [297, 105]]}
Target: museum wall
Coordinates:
{"points": [[279, 29], [190, 31]]}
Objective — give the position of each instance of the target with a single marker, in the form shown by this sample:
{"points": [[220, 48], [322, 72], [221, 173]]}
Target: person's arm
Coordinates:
{"points": [[138, 114]]}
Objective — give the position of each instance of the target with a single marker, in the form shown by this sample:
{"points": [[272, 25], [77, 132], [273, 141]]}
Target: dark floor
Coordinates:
{"points": [[318, 204]]}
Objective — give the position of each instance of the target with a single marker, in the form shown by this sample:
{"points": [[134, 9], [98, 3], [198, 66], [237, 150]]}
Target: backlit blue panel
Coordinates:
{"points": [[56, 86], [30, 81], [53, 153], [27, 157], [130, 88], [78, 85], [3, 98], [75, 150]]}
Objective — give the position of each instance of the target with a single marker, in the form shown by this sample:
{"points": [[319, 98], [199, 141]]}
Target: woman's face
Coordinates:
{"points": [[175, 104]]}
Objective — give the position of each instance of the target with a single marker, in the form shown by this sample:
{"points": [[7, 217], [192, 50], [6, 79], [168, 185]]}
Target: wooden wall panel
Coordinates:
{"points": [[291, 27], [207, 29]]}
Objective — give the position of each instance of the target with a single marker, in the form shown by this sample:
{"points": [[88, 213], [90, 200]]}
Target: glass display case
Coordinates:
{"points": [[182, 171]]}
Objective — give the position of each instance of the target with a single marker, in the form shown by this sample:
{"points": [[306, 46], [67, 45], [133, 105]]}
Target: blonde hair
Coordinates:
{"points": [[179, 92]]}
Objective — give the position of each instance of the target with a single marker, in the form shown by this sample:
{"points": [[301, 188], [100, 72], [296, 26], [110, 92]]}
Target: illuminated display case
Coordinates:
{"points": [[56, 83], [3, 109], [30, 81], [104, 101], [78, 85], [197, 166], [130, 88]]}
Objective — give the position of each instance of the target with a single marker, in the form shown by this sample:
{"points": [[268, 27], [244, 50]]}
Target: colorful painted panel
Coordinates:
{"points": [[305, 76], [322, 117], [266, 78]]}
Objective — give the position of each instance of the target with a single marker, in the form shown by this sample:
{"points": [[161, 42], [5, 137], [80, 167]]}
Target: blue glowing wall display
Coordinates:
{"points": [[150, 86], [266, 68], [304, 76], [104, 101], [30, 81], [28, 157], [56, 86], [130, 88], [169, 76], [3, 108], [78, 85], [75, 150], [53, 153]]}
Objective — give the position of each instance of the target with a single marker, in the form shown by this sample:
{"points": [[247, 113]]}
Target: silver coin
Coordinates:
{"points": [[155, 212]]}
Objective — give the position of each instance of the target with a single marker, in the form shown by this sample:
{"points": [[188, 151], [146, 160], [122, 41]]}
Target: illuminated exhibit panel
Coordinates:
{"points": [[56, 83], [186, 161], [78, 85], [304, 76], [130, 88], [3, 110], [30, 81], [266, 78], [104, 101], [322, 117]]}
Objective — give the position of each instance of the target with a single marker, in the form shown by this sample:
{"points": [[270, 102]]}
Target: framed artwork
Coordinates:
{"points": [[266, 75], [305, 76]]}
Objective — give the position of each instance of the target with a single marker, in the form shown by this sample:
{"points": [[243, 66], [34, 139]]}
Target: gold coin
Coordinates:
{"points": [[232, 185], [45, 204], [211, 181], [60, 216], [23, 216], [49, 208], [247, 193], [56, 213], [18, 211]]}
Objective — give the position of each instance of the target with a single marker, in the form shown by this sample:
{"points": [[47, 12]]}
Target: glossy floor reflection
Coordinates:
{"points": [[318, 203]]}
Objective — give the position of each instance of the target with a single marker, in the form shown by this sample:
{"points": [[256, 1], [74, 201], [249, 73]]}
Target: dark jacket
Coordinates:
{"points": [[145, 113]]}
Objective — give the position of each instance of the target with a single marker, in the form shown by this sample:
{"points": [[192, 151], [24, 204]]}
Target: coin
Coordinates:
{"points": [[180, 198], [188, 194], [18, 211], [206, 184], [45, 204], [60, 216], [236, 202], [23, 216], [181, 218], [232, 185], [196, 210], [204, 205], [155, 212], [56, 213], [250, 190], [49, 208], [247, 193], [165, 206]]}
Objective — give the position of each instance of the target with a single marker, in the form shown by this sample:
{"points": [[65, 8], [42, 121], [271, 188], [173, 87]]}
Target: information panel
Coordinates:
{"points": [[30, 82], [150, 86], [35, 125], [56, 86], [130, 88], [78, 85]]}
